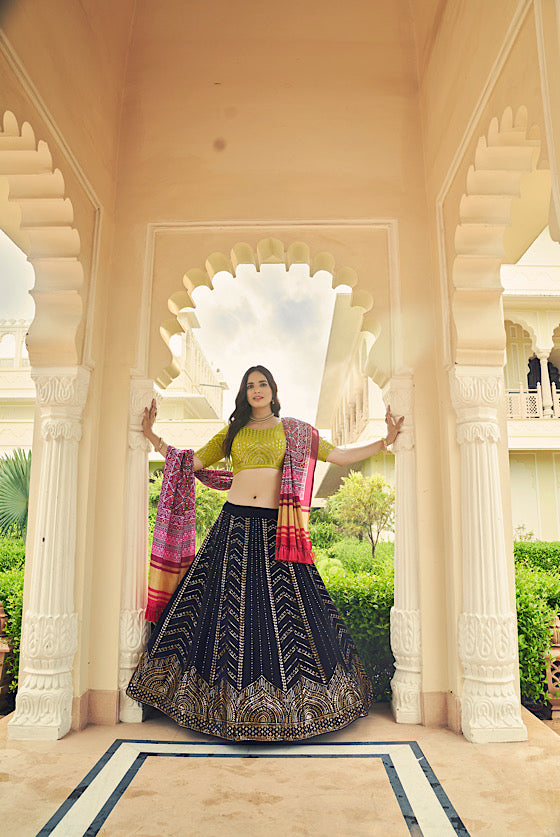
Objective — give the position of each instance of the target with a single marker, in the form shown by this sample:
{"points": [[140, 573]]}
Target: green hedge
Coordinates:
{"points": [[11, 596], [538, 599], [364, 601], [543, 554], [12, 553], [12, 560]]}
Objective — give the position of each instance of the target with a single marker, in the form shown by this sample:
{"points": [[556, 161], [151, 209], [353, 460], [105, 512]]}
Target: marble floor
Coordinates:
{"points": [[373, 778]]}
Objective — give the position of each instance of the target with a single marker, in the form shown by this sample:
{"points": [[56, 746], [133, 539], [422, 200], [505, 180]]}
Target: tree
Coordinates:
{"points": [[15, 472], [364, 506]]}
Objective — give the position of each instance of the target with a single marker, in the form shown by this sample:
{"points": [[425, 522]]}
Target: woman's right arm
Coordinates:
{"points": [[160, 446]]}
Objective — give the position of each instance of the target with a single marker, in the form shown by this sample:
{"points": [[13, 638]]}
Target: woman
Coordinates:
{"points": [[250, 646]]}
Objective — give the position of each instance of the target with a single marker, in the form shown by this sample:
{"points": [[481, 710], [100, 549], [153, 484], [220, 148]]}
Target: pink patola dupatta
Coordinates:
{"points": [[173, 546]]}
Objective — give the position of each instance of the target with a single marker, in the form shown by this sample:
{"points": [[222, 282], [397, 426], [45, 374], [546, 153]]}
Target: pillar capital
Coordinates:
{"points": [[476, 389]]}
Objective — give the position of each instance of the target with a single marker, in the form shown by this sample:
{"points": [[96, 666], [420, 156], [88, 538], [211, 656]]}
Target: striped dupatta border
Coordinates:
{"points": [[292, 535]]}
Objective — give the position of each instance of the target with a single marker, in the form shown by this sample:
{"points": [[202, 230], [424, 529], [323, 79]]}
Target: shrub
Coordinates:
{"points": [[543, 554], [12, 553], [11, 596], [538, 598], [356, 557], [322, 529], [364, 601]]}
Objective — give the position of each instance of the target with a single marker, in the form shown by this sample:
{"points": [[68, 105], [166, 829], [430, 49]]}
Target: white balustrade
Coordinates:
{"points": [[525, 403]]}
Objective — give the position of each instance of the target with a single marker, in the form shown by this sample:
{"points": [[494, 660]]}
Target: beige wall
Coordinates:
{"points": [[535, 493]]}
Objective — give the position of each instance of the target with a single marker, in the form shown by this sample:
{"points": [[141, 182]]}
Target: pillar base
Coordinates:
{"points": [[477, 735], [36, 732], [130, 711]]}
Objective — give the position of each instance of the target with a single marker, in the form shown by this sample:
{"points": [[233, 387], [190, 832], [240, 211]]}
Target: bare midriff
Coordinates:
{"points": [[256, 487]]}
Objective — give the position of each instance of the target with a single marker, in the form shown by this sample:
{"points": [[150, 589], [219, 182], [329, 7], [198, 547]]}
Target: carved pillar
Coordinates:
{"points": [[405, 614], [546, 389], [50, 625], [487, 625], [133, 629]]}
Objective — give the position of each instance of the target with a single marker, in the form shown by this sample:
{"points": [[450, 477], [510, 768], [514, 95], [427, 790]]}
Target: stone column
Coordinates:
{"points": [[487, 625], [405, 614], [133, 629], [50, 625], [545, 385]]}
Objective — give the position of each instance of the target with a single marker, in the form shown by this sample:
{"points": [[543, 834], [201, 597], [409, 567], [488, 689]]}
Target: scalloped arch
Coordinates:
{"points": [[267, 251], [35, 213], [517, 318], [504, 208]]}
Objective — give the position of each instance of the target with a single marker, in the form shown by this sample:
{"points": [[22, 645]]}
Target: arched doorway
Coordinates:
{"points": [[382, 366]]}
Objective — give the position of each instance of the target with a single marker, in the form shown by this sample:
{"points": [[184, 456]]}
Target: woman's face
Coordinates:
{"points": [[259, 393]]}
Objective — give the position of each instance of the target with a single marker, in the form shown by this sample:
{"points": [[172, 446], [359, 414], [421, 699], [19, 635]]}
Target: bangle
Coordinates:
{"points": [[159, 447], [384, 443]]}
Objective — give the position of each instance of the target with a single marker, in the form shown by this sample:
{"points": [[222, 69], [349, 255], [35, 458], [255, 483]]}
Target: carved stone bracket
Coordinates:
{"points": [[50, 626]]}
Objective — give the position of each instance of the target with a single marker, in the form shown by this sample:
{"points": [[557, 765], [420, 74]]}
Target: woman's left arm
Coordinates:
{"points": [[348, 456]]}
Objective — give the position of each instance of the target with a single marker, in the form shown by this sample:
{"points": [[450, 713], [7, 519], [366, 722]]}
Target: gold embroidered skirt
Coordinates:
{"points": [[250, 648]]}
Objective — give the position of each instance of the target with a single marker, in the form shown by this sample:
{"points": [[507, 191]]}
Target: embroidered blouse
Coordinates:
{"points": [[254, 448]]}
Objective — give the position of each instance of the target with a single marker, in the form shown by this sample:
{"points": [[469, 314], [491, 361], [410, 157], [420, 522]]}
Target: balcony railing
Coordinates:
{"points": [[528, 403]]}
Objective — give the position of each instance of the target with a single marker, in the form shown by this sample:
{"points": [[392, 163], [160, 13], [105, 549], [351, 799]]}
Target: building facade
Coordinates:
{"points": [[146, 147]]}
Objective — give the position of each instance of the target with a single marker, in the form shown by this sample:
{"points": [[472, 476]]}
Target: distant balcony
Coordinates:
{"points": [[524, 433], [528, 404]]}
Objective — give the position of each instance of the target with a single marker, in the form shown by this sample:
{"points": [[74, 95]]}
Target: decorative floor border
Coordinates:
{"points": [[424, 804]]}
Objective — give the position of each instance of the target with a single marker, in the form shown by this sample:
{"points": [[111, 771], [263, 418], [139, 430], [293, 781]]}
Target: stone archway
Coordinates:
{"points": [[503, 209], [35, 213], [399, 391]]}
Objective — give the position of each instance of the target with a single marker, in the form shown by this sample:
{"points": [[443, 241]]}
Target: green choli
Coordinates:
{"points": [[254, 448]]}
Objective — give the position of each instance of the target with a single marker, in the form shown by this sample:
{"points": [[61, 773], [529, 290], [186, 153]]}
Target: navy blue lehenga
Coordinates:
{"points": [[251, 648]]}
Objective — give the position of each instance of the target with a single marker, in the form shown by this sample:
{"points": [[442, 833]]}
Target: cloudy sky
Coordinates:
{"points": [[16, 278], [275, 318]]}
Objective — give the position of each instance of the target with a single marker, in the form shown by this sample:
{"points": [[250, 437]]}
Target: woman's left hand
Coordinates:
{"points": [[394, 424]]}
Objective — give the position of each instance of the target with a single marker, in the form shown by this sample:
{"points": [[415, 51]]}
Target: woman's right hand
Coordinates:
{"points": [[148, 419]]}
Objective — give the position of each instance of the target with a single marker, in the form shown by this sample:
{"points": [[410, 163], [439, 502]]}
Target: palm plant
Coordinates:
{"points": [[15, 471]]}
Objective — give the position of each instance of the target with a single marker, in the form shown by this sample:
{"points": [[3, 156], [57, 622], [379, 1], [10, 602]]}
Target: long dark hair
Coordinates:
{"points": [[242, 412]]}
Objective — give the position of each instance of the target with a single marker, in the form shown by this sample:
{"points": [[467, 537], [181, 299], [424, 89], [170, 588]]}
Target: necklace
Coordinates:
{"points": [[262, 419]]}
